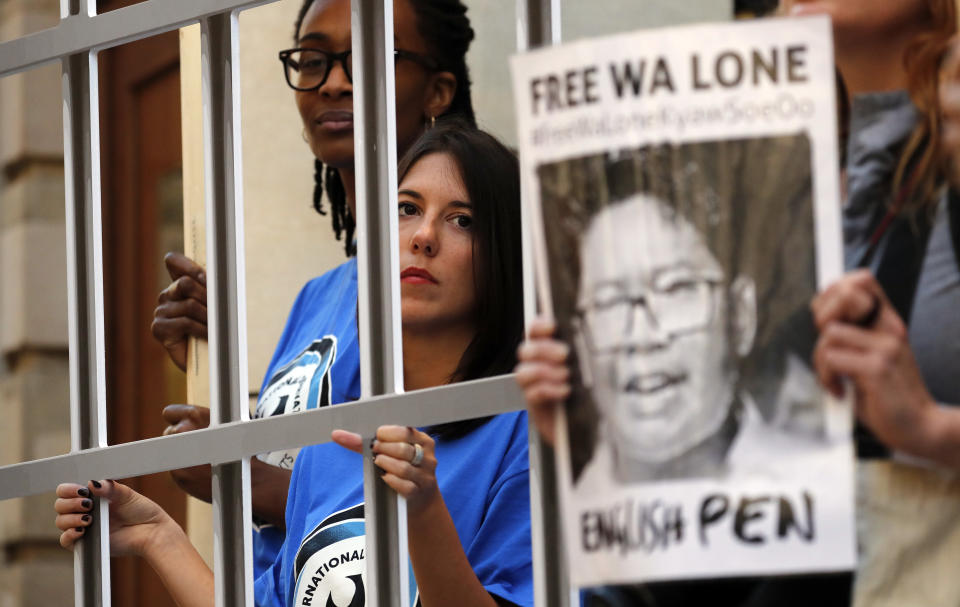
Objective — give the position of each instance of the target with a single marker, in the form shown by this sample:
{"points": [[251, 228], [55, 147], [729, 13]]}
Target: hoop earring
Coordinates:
{"points": [[303, 135], [433, 121]]}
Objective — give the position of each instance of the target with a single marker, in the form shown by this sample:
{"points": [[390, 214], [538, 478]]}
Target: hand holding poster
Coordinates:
{"points": [[683, 185]]}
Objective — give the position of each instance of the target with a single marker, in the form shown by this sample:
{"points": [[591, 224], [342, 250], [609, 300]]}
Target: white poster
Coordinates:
{"points": [[682, 190]]}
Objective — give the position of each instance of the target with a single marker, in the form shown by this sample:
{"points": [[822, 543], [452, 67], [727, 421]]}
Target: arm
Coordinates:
{"points": [[444, 575], [891, 397], [268, 484], [543, 374], [138, 526]]}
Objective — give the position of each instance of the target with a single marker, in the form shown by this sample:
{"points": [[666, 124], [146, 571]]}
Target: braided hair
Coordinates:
{"points": [[445, 27]]}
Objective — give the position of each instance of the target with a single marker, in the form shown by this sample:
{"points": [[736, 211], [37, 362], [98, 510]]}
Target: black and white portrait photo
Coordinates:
{"points": [[682, 286], [682, 197]]}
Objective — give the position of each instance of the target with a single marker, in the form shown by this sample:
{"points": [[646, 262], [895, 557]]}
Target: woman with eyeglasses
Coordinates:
{"points": [[316, 361], [466, 483]]}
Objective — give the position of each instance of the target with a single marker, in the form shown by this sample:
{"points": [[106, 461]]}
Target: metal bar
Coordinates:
{"points": [[88, 428], [232, 514], [539, 25], [80, 32], [381, 370], [237, 440]]}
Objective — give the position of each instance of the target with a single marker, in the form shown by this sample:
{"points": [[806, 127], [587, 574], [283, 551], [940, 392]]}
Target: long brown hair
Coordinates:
{"points": [[921, 169]]}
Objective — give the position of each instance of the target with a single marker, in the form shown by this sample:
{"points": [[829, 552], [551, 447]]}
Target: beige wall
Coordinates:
{"points": [[581, 19], [287, 241], [34, 384]]}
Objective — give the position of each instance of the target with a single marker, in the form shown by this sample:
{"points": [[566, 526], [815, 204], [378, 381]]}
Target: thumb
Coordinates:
{"points": [[112, 491], [176, 413]]}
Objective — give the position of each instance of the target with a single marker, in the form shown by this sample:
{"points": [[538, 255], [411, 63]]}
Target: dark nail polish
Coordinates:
{"points": [[80, 529], [96, 484], [86, 504], [85, 518], [381, 471], [83, 492]]}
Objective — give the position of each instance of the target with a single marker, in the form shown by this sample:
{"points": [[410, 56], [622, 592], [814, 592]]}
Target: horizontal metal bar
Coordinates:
{"points": [[236, 440], [81, 33]]}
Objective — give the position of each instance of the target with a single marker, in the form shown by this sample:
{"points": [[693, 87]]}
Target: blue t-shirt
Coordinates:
{"points": [[316, 363], [484, 479]]}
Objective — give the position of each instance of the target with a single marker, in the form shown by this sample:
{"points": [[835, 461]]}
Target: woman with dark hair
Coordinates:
{"points": [[466, 484], [316, 362]]}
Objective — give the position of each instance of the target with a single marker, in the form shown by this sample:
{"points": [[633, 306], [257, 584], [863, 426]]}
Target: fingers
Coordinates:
{"points": [[845, 350], [544, 386], [855, 365], [73, 505], [405, 434], [118, 494], [180, 265], [393, 452], [528, 374], [847, 300], [400, 450], [173, 331], [67, 522], [546, 395], [68, 490], [349, 440], [543, 350], [183, 288], [407, 477], [182, 308], [405, 488], [186, 308], [184, 418], [542, 327], [543, 375], [74, 508], [70, 536]]}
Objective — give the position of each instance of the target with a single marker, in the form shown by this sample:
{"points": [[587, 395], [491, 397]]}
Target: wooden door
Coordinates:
{"points": [[142, 215]]}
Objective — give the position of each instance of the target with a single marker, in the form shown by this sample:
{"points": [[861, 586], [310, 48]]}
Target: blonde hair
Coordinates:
{"points": [[921, 169]]}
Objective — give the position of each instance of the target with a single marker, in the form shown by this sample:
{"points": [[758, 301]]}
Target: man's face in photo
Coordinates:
{"points": [[653, 322]]}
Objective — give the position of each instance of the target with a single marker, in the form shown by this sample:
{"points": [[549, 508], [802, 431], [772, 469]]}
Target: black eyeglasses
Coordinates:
{"points": [[307, 69]]}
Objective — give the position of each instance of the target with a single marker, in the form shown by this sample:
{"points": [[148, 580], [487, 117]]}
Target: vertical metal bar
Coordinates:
{"points": [[85, 306], [539, 25], [381, 369], [233, 559]]}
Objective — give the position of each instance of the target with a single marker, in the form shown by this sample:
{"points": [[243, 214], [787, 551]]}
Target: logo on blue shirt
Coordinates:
{"points": [[303, 383], [329, 568]]}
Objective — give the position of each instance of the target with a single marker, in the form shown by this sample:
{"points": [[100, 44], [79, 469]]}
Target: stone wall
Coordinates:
{"points": [[34, 381]]}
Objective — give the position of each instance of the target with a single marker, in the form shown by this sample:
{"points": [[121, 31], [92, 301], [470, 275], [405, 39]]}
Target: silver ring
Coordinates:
{"points": [[417, 458]]}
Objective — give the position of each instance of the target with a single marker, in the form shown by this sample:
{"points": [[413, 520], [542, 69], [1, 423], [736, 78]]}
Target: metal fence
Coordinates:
{"points": [[232, 438]]}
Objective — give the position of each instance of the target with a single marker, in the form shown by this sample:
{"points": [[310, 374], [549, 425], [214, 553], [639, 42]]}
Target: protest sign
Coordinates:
{"points": [[683, 195]]}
